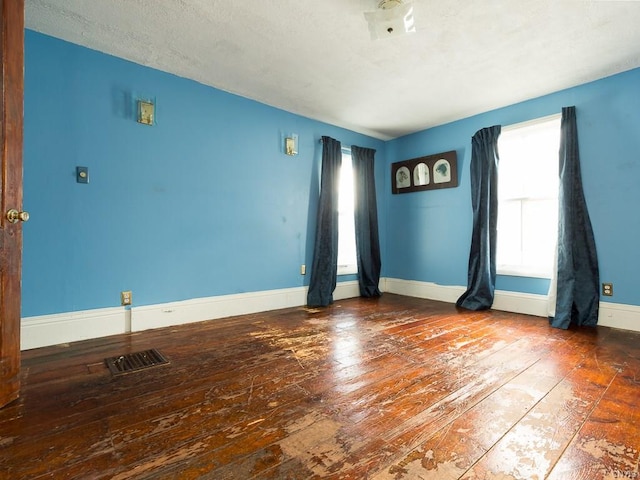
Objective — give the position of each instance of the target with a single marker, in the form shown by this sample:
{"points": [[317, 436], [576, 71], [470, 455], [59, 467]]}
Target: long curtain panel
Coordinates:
{"points": [[366, 221], [324, 268], [481, 278], [577, 281]]}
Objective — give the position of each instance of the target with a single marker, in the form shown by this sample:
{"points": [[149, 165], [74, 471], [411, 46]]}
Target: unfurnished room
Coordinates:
{"points": [[341, 239]]}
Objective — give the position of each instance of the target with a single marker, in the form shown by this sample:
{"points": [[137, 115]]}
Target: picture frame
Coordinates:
{"points": [[431, 172]]}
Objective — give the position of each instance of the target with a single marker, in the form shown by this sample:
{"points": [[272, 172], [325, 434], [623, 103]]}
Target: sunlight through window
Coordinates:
{"points": [[528, 198], [347, 260]]}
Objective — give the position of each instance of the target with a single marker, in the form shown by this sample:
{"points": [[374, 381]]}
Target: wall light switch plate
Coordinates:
{"points": [[82, 174]]}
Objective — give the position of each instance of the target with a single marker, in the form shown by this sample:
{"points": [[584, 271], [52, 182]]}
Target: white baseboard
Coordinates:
{"points": [[517, 302], [618, 315], [199, 309], [431, 291], [615, 315], [45, 330], [345, 290], [68, 327], [209, 308], [60, 328]]}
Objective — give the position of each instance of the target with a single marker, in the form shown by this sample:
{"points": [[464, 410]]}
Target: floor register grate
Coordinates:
{"points": [[132, 362]]}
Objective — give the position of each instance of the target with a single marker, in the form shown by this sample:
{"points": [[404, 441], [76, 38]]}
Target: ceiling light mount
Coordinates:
{"points": [[388, 4], [392, 18]]}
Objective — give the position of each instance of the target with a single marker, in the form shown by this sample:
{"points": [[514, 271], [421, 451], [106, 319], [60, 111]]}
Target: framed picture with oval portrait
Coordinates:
{"points": [[425, 173]]}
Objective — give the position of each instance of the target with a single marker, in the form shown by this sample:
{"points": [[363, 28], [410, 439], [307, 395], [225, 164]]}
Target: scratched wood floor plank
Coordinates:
{"points": [[352, 453], [361, 456], [533, 446], [367, 388], [608, 443]]}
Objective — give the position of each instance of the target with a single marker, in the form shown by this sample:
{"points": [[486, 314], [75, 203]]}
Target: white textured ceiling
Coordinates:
{"points": [[315, 57]]}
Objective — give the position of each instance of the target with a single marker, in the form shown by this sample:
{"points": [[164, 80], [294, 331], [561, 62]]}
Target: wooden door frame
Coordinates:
{"points": [[11, 144]]}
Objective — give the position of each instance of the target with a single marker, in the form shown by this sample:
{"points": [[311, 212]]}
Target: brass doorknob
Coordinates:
{"points": [[14, 216]]}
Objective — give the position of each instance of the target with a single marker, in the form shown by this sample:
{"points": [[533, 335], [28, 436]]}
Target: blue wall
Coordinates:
{"points": [[204, 203], [428, 233]]}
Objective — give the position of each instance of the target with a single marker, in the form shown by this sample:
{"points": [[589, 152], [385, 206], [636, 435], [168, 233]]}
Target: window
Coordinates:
{"points": [[528, 198], [347, 260]]}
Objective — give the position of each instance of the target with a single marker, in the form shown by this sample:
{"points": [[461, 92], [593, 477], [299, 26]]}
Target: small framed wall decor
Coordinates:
{"points": [[145, 112], [425, 173]]}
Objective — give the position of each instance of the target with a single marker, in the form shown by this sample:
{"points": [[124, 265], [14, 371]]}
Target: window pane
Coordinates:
{"points": [[528, 198], [346, 223], [539, 233], [509, 233]]}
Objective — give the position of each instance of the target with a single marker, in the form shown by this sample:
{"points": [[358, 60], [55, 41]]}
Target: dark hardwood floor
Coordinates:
{"points": [[390, 388]]}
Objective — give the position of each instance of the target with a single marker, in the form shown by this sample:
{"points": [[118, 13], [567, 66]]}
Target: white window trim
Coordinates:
{"points": [[520, 271], [352, 268], [531, 123], [347, 269], [523, 270]]}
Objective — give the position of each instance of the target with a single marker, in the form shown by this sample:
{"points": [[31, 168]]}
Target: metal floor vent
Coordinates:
{"points": [[132, 362]]}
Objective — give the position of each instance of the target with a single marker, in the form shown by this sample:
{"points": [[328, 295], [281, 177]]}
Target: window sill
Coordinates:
{"points": [[347, 269], [522, 272]]}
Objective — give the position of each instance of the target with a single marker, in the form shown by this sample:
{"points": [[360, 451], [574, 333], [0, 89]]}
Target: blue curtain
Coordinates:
{"points": [[366, 221], [324, 268], [578, 277], [481, 280]]}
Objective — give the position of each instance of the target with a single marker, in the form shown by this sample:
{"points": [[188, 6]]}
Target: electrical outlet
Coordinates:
{"points": [[607, 289], [126, 298], [303, 269]]}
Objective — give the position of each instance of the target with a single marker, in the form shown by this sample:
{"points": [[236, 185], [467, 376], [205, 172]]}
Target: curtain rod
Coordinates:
{"points": [[346, 149]]}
